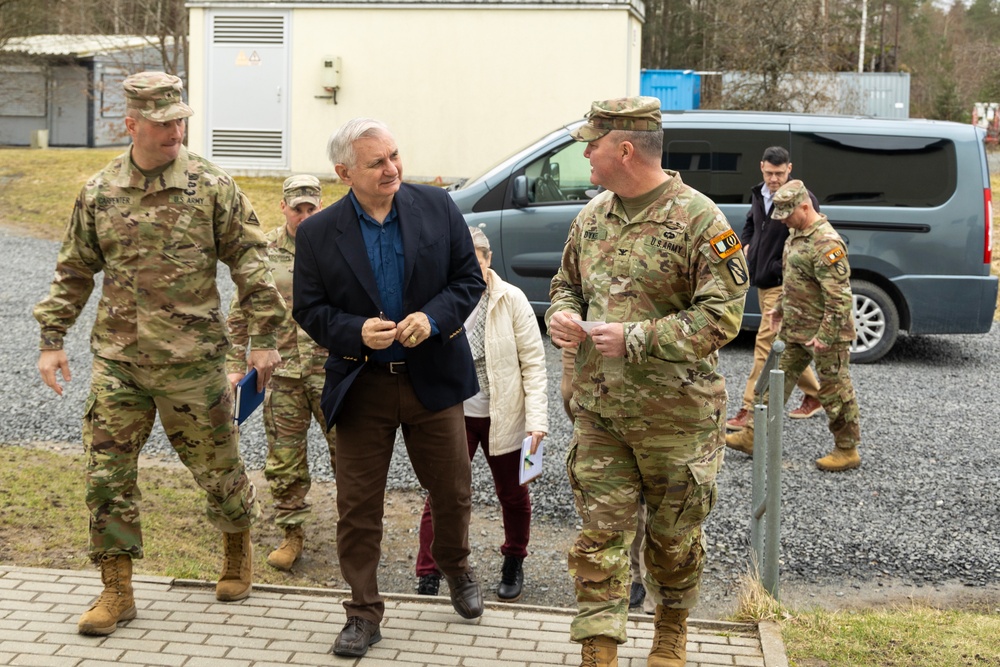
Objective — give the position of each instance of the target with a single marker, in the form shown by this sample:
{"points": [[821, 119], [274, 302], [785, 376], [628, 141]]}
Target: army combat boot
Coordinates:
{"points": [[840, 459], [285, 556], [237, 567], [116, 602], [599, 652], [669, 638], [742, 440]]}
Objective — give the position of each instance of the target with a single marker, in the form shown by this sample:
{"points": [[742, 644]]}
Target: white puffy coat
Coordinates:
{"points": [[515, 365]]}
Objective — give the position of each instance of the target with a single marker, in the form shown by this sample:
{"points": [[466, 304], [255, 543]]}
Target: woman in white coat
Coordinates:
{"points": [[512, 404]]}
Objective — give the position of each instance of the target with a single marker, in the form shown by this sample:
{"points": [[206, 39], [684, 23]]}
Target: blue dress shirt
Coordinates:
{"points": [[384, 244]]}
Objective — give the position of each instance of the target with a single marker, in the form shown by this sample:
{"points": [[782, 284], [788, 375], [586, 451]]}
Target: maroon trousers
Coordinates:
{"points": [[515, 501], [376, 405]]}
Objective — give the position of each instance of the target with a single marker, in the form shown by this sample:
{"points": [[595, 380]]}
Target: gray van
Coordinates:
{"points": [[911, 198]]}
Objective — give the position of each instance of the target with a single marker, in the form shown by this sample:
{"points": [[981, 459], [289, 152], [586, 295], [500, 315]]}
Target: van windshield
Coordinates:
{"points": [[504, 164]]}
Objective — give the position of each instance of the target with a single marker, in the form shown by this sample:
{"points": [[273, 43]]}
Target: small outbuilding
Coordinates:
{"points": [[462, 83], [65, 90]]}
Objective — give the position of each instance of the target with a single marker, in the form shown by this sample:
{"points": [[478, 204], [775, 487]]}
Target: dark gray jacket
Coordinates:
{"points": [[766, 239]]}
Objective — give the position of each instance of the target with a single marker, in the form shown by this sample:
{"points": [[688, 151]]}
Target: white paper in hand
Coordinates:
{"points": [[588, 325], [531, 464]]}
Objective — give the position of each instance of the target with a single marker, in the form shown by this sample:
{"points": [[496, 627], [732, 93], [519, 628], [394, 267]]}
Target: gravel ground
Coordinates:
{"points": [[920, 515]]}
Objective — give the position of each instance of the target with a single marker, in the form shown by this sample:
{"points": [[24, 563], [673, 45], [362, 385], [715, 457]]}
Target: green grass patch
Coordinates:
{"points": [[38, 188], [44, 520], [914, 636]]}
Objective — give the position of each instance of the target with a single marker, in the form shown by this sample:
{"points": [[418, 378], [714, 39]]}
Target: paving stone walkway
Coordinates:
{"points": [[180, 624]]}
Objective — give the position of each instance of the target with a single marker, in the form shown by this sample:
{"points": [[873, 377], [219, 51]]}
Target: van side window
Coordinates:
{"points": [[721, 163], [560, 176], [872, 170]]}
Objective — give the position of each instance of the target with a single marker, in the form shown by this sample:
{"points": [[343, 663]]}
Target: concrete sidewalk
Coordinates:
{"points": [[181, 624]]}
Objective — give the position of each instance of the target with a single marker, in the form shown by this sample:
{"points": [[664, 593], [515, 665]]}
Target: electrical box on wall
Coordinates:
{"points": [[331, 72]]}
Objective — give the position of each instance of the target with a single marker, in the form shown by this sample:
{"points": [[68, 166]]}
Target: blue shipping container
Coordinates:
{"points": [[678, 89]]}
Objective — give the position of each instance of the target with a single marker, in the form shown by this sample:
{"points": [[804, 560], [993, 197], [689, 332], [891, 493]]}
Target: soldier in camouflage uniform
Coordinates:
{"points": [[816, 320], [657, 264], [156, 220], [296, 386]]}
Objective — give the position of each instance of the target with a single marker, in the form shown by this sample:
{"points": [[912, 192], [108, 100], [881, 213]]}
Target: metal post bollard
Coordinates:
{"points": [[766, 492], [772, 511]]}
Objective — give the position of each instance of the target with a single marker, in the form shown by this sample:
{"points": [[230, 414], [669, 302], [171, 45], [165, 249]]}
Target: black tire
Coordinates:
{"points": [[876, 322]]}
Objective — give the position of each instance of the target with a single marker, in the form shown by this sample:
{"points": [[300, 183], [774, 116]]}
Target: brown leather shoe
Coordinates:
{"points": [[357, 635], [466, 596], [740, 421], [741, 441], [809, 408]]}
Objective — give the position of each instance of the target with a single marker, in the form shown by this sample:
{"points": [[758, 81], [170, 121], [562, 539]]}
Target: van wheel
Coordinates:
{"points": [[876, 322]]}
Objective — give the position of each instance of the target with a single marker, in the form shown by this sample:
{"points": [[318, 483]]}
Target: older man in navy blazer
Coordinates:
{"points": [[385, 279]]}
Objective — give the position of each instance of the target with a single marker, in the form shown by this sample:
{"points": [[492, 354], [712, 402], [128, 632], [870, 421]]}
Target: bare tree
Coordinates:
{"points": [[20, 17], [676, 34], [164, 23], [771, 49]]}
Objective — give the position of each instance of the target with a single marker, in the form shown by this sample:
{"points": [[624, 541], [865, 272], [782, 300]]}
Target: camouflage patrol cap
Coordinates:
{"points": [[156, 95], [301, 188], [625, 113], [788, 196]]}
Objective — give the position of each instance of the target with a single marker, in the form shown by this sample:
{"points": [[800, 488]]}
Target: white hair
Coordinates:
{"points": [[340, 148], [479, 240]]}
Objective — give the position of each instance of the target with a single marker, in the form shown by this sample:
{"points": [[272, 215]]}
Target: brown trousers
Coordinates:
{"points": [[377, 404]]}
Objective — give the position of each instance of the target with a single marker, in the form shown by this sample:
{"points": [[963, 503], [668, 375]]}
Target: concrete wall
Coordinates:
{"points": [[461, 87]]}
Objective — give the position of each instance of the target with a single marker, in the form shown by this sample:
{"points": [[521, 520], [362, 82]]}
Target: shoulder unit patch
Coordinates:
{"points": [[725, 244], [834, 254]]}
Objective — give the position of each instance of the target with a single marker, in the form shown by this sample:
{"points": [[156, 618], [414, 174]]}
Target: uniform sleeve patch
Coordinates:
{"points": [[738, 270], [725, 244], [834, 255]]}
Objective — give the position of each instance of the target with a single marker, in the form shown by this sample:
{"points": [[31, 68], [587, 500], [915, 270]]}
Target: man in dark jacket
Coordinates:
{"points": [[763, 241], [385, 279]]}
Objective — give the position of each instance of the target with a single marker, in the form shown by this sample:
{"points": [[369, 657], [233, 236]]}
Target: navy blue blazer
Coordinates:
{"points": [[334, 292]]}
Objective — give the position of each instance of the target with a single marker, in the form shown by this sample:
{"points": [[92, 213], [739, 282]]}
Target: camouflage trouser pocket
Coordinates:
{"points": [[702, 492], [574, 482], [698, 504]]}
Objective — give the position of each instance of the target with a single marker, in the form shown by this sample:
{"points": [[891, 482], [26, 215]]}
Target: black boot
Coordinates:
{"points": [[636, 596], [429, 584], [511, 580]]}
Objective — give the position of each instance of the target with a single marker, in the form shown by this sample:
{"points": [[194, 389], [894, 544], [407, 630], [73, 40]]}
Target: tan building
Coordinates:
{"points": [[462, 84]]}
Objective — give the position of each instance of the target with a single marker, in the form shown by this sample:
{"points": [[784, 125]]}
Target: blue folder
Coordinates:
{"points": [[247, 397]]}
